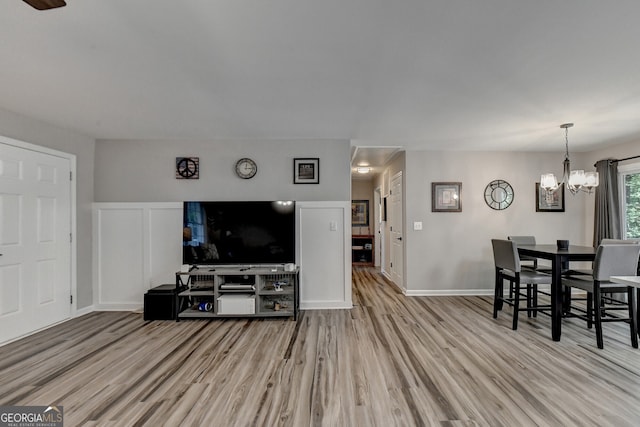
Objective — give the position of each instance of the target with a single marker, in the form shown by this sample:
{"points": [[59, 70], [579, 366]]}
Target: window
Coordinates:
{"points": [[630, 200]]}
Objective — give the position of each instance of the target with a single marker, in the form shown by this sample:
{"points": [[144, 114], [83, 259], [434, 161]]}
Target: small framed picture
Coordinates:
{"points": [[549, 201], [359, 213], [187, 167], [446, 197], [306, 171]]}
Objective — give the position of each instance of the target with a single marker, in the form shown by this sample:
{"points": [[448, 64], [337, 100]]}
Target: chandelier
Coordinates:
{"points": [[574, 180]]}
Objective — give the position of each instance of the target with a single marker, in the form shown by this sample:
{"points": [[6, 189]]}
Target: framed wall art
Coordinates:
{"points": [[187, 167], [306, 171], [359, 213], [549, 201], [446, 197]]}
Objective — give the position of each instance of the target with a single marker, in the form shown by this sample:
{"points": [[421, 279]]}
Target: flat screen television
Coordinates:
{"points": [[238, 233]]}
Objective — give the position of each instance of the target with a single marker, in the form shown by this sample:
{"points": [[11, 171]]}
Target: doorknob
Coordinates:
{"points": [[399, 238]]}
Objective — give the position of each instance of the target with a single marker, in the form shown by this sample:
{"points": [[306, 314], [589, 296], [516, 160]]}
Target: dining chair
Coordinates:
{"points": [[531, 262], [529, 240], [611, 260], [589, 271], [508, 267]]}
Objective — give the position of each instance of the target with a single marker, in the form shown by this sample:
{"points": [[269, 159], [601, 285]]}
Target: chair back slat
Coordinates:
{"points": [[523, 240], [505, 254], [615, 260], [617, 242]]}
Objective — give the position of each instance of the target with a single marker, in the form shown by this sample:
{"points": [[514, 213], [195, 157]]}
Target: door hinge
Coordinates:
{"points": [[70, 299], [70, 175], [70, 237]]}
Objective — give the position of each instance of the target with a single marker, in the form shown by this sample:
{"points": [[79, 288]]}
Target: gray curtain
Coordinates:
{"points": [[607, 211]]}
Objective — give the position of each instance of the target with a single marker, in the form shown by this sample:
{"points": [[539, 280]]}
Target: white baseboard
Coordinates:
{"points": [[468, 292], [448, 292], [84, 310], [119, 307]]}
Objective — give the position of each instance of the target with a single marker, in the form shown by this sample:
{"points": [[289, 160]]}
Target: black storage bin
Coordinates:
{"points": [[160, 303]]}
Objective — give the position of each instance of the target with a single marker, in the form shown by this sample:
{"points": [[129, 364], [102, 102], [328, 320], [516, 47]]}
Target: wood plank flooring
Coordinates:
{"points": [[390, 361]]}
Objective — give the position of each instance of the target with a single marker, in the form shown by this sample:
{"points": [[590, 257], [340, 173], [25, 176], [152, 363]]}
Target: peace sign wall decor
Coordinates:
{"points": [[187, 167]]}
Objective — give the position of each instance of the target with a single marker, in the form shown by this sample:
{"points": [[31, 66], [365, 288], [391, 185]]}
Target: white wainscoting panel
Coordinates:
{"points": [[136, 247], [165, 244], [324, 254]]}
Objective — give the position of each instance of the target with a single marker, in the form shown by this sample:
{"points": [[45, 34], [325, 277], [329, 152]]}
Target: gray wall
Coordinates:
{"points": [[25, 129], [453, 250], [144, 171]]}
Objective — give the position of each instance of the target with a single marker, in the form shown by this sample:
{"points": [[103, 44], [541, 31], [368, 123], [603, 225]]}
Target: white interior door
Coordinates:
{"points": [[377, 221], [35, 232], [396, 257]]}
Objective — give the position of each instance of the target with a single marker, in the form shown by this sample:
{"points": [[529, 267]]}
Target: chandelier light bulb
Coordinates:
{"points": [[576, 178], [592, 179]]}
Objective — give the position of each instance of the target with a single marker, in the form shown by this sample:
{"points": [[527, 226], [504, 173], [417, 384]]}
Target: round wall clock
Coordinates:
{"points": [[498, 194], [246, 168]]}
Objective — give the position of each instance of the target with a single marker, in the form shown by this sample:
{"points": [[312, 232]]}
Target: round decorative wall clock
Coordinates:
{"points": [[498, 194], [246, 168]]}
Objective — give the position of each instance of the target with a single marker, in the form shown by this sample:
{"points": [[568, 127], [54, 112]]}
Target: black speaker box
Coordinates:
{"points": [[160, 303]]}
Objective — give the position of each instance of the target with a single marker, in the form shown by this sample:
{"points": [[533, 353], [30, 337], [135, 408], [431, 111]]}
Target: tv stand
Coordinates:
{"points": [[237, 292]]}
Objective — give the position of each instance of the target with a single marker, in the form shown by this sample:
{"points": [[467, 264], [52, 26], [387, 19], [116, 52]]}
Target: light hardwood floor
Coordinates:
{"points": [[391, 360]]}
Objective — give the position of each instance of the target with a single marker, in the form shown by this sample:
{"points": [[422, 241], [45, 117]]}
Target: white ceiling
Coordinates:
{"points": [[442, 75]]}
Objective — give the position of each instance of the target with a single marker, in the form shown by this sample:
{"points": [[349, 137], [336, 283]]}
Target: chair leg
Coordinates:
{"points": [[589, 310], [566, 299], [535, 300], [633, 315], [529, 301], [516, 304], [497, 295], [597, 297]]}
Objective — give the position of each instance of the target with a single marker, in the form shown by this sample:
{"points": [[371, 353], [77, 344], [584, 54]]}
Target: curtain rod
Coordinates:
{"points": [[626, 158], [620, 160]]}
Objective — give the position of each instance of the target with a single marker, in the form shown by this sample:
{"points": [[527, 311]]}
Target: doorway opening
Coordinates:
{"points": [[372, 170]]}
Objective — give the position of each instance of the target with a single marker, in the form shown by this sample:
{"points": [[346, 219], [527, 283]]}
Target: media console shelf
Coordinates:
{"points": [[237, 292]]}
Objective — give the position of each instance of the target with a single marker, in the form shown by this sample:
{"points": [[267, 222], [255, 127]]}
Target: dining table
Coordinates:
{"points": [[559, 258]]}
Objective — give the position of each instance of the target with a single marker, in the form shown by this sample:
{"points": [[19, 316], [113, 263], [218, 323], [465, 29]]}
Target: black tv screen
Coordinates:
{"points": [[238, 233]]}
